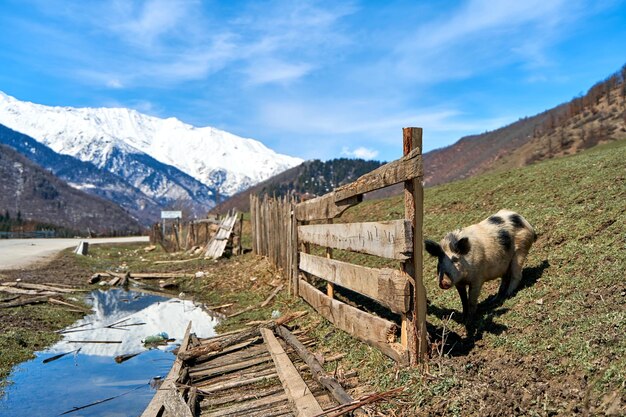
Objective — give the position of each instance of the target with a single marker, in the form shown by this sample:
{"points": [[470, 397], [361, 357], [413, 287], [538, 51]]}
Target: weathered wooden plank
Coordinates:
{"points": [[216, 246], [387, 286], [174, 403], [404, 169], [265, 403], [229, 368], [41, 287], [18, 303], [324, 207], [315, 367], [21, 291], [300, 396], [158, 402], [236, 338], [391, 239], [160, 275], [216, 401], [209, 387], [373, 330]]}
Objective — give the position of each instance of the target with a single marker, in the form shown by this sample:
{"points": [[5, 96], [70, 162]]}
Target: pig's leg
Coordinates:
{"points": [[506, 282], [463, 294], [516, 271], [474, 293]]}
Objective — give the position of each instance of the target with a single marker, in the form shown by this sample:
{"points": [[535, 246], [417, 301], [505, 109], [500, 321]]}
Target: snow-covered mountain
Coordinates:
{"points": [[124, 141]]}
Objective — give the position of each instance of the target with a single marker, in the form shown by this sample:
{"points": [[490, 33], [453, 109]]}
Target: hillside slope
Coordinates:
{"points": [[599, 116], [38, 195], [557, 347]]}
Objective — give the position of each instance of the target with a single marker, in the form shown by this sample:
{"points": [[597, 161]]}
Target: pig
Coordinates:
{"points": [[495, 247]]}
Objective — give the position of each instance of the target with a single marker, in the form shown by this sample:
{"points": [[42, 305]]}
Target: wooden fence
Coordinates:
{"points": [[273, 231], [282, 231], [200, 234]]}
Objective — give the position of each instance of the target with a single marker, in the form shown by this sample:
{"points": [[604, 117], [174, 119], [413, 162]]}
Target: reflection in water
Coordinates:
{"points": [[91, 374], [130, 317]]}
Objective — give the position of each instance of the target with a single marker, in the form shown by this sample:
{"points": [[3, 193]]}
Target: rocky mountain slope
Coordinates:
{"points": [[36, 194], [84, 176]]}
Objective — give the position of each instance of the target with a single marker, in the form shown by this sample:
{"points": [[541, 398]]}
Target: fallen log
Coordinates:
{"points": [[219, 307], [9, 298], [22, 291], [40, 287], [159, 275], [219, 345], [168, 284], [63, 303], [272, 295], [240, 312], [115, 281], [19, 303], [124, 280], [368, 399]]}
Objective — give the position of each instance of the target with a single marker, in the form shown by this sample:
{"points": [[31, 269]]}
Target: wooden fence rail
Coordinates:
{"points": [[282, 232]]}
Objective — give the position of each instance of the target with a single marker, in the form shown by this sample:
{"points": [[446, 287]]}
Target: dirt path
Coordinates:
{"points": [[19, 253]]}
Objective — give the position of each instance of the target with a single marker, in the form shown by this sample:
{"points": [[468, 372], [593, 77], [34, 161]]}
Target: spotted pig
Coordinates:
{"points": [[468, 257]]}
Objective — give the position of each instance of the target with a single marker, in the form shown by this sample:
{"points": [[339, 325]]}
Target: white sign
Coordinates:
{"points": [[171, 214]]}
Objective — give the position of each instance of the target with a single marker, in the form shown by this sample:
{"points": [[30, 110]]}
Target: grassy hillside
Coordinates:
{"points": [[598, 116], [558, 345]]}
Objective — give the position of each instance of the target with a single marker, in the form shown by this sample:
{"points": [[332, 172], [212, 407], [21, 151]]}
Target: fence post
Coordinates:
{"points": [[294, 249], [414, 335]]}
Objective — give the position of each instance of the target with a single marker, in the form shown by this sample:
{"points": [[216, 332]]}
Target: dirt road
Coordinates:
{"points": [[19, 253]]}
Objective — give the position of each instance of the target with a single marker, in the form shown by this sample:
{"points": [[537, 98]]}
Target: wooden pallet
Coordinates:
{"points": [[264, 371], [217, 245]]}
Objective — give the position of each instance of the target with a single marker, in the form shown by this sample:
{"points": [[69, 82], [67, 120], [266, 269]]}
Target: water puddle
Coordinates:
{"points": [[82, 369]]}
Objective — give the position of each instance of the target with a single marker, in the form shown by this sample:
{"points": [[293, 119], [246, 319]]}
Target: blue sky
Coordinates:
{"points": [[314, 79]]}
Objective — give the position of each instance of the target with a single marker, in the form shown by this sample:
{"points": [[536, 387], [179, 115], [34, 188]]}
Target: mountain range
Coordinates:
{"points": [[172, 163]]}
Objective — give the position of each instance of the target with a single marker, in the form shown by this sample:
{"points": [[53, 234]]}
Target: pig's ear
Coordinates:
{"points": [[463, 246], [433, 248]]}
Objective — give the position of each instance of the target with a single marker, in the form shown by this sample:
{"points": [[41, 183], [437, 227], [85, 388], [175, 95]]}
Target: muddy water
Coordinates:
{"points": [[89, 373]]}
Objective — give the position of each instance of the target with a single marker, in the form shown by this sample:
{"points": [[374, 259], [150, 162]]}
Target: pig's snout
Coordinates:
{"points": [[445, 283]]}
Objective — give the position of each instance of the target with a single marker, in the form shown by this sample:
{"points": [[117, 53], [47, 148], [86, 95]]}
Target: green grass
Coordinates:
{"points": [[29, 329], [571, 311]]}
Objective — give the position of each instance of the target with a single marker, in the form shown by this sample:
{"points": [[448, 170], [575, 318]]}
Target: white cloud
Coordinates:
{"points": [[482, 35], [274, 71], [114, 83], [360, 152]]}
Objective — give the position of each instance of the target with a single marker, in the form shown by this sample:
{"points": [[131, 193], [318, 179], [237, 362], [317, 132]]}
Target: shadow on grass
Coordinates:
{"points": [[453, 344]]}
